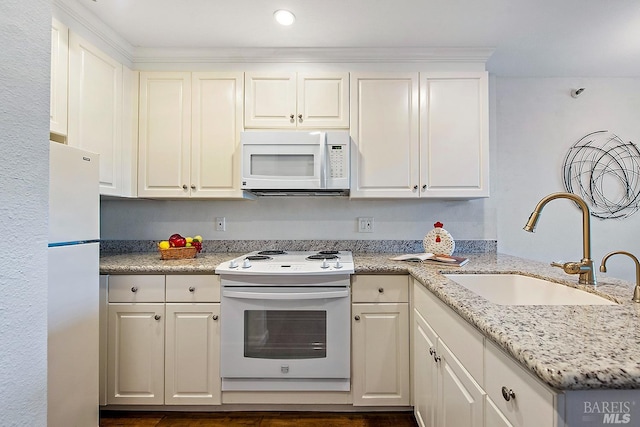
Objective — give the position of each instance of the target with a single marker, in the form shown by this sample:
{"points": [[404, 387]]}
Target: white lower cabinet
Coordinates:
{"points": [[380, 341], [445, 394], [461, 379], [135, 362], [516, 394], [192, 354], [163, 352]]}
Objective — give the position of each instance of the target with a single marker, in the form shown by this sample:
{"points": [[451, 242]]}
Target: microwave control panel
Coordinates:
{"points": [[338, 161]]}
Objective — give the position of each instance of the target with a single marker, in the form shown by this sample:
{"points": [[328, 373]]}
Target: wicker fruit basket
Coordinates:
{"points": [[178, 253]]}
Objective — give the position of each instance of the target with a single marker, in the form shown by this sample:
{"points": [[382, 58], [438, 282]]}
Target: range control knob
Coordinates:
{"points": [[324, 264], [233, 264], [246, 263], [338, 263]]}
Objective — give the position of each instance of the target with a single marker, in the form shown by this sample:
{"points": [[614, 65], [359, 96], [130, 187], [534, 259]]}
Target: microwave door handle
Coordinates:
{"points": [[338, 293], [323, 160]]}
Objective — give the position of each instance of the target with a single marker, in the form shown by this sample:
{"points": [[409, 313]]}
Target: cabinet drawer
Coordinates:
{"points": [[136, 288], [193, 288], [380, 288], [533, 404]]}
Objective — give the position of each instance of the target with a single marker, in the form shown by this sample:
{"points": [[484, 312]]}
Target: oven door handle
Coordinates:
{"points": [[337, 293]]}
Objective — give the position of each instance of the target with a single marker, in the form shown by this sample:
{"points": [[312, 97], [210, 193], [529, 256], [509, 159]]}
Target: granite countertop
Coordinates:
{"points": [[568, 347]]}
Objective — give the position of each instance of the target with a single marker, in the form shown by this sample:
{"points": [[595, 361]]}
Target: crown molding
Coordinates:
{"points": [[311, 54], [80, 15]]}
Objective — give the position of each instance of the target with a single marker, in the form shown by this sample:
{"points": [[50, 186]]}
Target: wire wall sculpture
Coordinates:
{"points": [[605, 172]]}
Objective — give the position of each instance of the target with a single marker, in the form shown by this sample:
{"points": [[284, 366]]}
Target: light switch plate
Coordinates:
{"points": [[221, 224]]}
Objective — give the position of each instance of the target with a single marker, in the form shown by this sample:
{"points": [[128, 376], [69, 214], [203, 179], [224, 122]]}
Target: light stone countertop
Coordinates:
{"points": [[568, 347]]}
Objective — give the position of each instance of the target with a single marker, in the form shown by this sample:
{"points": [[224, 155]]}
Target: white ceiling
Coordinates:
{"points": [[530, 37]]}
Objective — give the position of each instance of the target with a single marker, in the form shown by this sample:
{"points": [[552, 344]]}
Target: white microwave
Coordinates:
{"points": [[294, 162]]}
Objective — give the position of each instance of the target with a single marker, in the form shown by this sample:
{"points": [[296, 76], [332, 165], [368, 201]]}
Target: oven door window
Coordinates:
{"points": [[285, 334]]}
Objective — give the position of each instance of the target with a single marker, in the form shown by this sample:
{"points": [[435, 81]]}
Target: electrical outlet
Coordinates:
{"points": [[221, 224], [365, 225]]}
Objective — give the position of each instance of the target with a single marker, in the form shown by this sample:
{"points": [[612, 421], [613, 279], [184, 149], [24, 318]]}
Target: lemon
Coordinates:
{"points": [[189, 239], [164, 245], [187, 245]]}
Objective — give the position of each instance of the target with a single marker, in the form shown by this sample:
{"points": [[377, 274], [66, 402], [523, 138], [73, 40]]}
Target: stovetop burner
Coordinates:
{"points": [[258, 257], [322, 255], [329, 252], [272, 253]]}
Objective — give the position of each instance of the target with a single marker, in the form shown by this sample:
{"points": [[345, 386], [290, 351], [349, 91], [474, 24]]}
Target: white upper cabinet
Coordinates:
{"points": [[216, 125], [408, 146], [164, 134], [296, 100], [384, 130], [98, 104], [189, 134], [454, 135], [59, 77]]}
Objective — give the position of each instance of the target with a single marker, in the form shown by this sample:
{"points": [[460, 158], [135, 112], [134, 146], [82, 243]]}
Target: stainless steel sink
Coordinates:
{"points": [[516, 289]]}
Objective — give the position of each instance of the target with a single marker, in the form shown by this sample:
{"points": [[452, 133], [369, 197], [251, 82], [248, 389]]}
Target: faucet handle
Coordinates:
{"points": [[571, 267]]}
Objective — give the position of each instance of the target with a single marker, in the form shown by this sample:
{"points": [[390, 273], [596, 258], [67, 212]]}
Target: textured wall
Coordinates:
{"points": [[24, 109], [537, 122]]}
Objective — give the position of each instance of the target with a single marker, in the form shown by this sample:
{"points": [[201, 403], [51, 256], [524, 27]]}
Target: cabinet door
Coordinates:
{"points": [[380, 335], [192, 356], [424, 372], [384, 129], [135, 367], [165, 134], [59, 77], [270, 100], [460, 398], [323, 100], [454, 135], [217, 122], [95, 109]]}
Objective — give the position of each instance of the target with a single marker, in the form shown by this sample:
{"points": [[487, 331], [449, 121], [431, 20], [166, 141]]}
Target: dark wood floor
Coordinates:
{"points": [[256, 419]]}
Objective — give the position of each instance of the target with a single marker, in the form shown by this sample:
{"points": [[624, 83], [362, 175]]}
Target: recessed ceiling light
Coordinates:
{"points": [[284, 17]]}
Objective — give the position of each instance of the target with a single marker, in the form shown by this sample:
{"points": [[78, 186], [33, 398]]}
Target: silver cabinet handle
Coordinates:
{"points": [[291, 116], [432, 351], [184, 187], [157, 317], [436, 358], [381, 290], [192, 289], [415, 187], [508, 394], [424, 187], [357, 318], [134, 289], [193, 186], [215, 317], [300, 118]]}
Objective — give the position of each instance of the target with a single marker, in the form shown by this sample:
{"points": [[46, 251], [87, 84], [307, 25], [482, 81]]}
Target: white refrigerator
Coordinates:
{"points": [[73, 303]]}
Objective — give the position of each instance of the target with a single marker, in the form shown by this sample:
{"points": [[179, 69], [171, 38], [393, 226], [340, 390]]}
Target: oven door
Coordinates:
{"points": [[283, 160], [285, 338]]}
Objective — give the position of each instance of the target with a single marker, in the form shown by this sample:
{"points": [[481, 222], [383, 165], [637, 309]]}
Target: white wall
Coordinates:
{"points": [[25, 37], [537, 122]]}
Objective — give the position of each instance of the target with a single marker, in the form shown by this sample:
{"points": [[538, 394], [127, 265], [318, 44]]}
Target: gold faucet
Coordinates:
{"points": [[585, 267], [603, 268]]}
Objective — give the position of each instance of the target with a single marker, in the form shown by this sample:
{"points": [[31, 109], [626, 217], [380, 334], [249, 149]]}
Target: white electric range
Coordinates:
{"points": [[285, 321]]}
